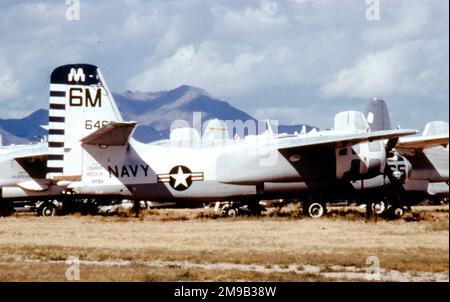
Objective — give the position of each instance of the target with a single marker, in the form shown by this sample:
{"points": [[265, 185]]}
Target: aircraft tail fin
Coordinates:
{"points": [[436, 128], [347, 120], [377, 115], [80, 103]]}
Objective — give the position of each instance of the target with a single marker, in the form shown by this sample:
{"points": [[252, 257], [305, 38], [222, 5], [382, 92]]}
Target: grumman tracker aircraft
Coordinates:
{"points": [[23, 179], [91, 153], [427, 155]]}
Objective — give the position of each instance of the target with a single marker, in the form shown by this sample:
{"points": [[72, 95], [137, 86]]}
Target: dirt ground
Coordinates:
{"points": [[196, 244]]}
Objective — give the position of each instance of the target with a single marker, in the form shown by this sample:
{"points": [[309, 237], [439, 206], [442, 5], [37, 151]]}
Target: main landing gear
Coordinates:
{"points": [[386, 209], [315, 207], [233, 209], [46, 209]]}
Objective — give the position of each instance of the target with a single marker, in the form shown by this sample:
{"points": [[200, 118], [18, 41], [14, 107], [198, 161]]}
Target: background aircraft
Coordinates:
{"points": [[23, 177], [427, 154]]}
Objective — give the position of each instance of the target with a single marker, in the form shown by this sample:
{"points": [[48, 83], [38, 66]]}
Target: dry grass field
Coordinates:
{"points": [[178, 245]]}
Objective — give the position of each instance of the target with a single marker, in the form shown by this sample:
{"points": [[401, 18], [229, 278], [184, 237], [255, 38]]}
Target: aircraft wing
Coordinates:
{"points": [[422, 142], [343, 139], [113, 134]]}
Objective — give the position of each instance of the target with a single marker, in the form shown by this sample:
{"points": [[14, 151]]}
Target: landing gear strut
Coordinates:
{"points": [[254, 208]]}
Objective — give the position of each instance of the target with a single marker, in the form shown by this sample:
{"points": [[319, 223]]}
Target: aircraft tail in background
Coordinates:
{"points": [[436, 128], [377, 115]]}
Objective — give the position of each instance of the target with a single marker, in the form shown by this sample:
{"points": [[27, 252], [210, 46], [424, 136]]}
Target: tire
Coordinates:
{"points": [[398, 212], [232, 212], [379, 207], [315, 209], [47, 210], [395, 212]]}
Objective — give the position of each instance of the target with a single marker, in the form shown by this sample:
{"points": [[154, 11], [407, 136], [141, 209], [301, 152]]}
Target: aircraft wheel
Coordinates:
{"points": [[395, 212], [232, 212], [379, 207], [398, 212], [47, 210], [315, 209]]}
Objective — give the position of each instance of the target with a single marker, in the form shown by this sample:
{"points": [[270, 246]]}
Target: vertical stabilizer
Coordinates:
{"points": [[436, 128], [377, 115], [80, 103], [350, 120]]}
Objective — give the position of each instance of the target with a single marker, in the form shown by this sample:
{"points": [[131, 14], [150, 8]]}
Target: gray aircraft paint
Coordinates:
{"points": [[377, 115]]}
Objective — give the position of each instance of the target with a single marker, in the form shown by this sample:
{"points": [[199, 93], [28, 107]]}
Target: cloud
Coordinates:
{"points": [[8, 83], [267, 17], [257, 55], [202, 67], [407, 19], [412, 68], [374, 74]]}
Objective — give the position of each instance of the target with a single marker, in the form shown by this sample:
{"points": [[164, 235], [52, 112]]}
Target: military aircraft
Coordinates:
{"points": [[427, 154], [91, 153], [24, 186], [23, 175]]}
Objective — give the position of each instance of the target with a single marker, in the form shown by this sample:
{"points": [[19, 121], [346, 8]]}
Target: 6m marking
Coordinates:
{"points": [[79, 97]]}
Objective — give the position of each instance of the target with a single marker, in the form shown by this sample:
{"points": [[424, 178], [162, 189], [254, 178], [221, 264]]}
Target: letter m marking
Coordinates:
{"points": [[76, 75]]}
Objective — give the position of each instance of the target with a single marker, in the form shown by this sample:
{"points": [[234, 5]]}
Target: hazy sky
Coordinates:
{"points": [[297, 61]]}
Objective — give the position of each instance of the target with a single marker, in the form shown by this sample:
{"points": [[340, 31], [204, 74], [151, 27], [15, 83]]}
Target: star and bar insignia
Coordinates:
{"points": [[180, 177]]}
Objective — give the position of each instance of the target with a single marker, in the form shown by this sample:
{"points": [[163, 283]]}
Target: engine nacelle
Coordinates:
{"points": [[398, 169], [360, 161]]}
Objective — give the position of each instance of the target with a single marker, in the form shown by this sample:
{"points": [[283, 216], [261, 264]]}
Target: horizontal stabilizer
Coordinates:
{"points": [[343, 140], [33, 185], [113, 134]]}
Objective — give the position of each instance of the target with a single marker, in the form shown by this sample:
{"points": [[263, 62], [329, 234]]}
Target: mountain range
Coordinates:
{"points": [[155, 112]]}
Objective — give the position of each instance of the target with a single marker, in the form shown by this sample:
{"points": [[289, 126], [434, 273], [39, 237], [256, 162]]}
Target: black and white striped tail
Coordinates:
{"points": [[77, 94], [57, 115]]}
